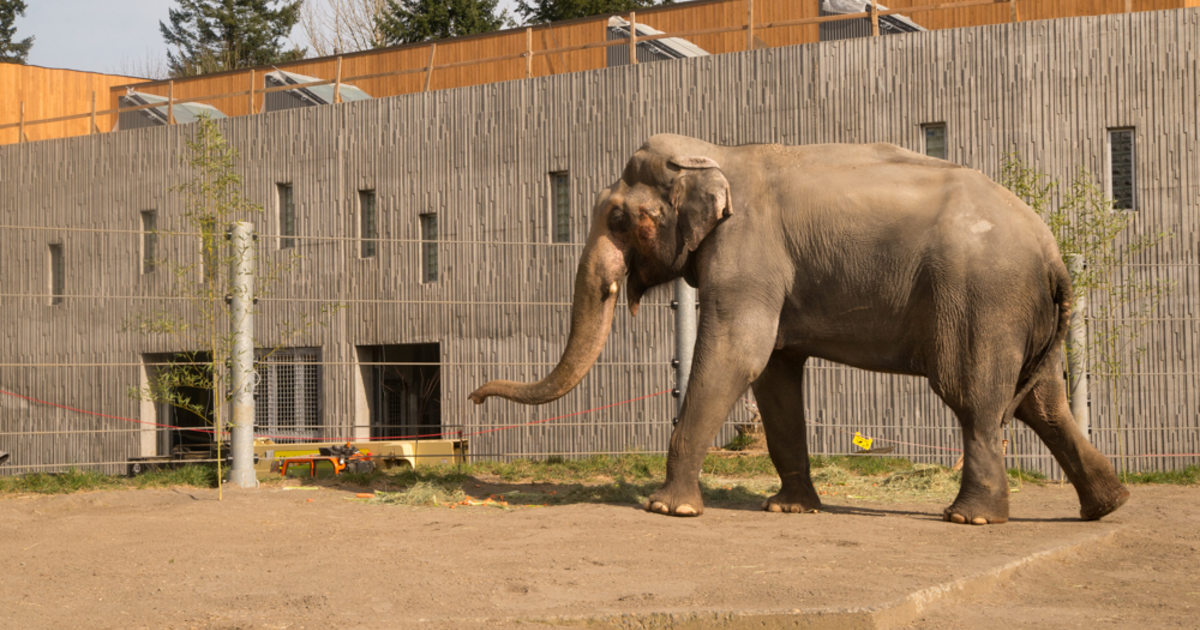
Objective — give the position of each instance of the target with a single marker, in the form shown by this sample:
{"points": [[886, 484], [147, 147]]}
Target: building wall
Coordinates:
{"points": [[465, 61], [51, 93], [479, 157]]}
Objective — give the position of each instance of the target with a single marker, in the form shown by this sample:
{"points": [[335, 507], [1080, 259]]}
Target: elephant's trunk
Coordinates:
{"points": [[596, 281]]}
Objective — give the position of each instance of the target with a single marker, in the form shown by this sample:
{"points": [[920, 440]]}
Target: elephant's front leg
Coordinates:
{"points": [[730, 353]]}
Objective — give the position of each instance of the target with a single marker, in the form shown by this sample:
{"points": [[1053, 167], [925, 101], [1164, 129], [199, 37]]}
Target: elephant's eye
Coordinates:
{"points": [[618, 220]]}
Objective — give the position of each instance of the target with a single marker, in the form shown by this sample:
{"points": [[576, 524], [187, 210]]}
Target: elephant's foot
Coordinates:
{"points": [[977, 512], [795, 502], [676, 503], [1098, 503]]}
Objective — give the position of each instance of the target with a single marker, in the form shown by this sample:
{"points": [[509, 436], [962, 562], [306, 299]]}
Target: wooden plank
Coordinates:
{"points": [[749, 24], [429, 72], [337, 82], [633, 38]]}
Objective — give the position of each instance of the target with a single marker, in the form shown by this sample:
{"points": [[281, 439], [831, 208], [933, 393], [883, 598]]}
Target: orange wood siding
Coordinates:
{"points": [[701, 16], [498, 56], [1026, 10], [51, 93]]}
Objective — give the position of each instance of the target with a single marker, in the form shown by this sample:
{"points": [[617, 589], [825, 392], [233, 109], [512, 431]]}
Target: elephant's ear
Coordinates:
{"points": [[700, 196]]}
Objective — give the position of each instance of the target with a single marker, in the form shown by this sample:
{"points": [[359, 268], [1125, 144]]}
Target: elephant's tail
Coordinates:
{"points": [[1039, 362]]}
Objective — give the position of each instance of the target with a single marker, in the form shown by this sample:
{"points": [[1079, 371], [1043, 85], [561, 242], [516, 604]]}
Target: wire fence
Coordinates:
{"points": [[86, 403]]}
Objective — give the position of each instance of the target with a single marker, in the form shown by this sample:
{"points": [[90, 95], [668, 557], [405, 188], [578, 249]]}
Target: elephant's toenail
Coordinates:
{"points": [[774, 507], [685, 510], [979, 520], [958, 518]]}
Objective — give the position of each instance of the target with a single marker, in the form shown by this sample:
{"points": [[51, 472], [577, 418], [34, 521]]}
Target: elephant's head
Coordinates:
{"points": [[644, 226]]}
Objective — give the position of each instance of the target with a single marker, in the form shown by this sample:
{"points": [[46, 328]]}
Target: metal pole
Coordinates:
{"points": [[242, 323], [685, 337], [1077, 377]]}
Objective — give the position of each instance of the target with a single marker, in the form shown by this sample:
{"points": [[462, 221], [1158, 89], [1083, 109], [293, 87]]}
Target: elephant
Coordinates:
{"points": [[868, 255]]}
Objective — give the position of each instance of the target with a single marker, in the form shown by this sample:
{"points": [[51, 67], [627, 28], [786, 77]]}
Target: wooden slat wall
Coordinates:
{"points": [[51, 93], [479, 158], [681, 18]]}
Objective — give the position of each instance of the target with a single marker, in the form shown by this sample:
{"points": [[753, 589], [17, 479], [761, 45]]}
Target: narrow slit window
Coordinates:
{"points": [[149, 240], [287, 216], [368, 232], [1121, 154], [560, 207], [429, 252], [58, 277], [935, 139]]}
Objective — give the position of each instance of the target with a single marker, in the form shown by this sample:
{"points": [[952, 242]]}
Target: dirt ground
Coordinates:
{"points": [[317, 557]]}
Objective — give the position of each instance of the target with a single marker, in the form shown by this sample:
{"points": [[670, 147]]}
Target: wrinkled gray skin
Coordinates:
{"points": [[868, 255]]}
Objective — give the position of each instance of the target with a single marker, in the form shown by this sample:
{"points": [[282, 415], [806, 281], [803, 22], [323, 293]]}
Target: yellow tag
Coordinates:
{"points": [[863, 442]]}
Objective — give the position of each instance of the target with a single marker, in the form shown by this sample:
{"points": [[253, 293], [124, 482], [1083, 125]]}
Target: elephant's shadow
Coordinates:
{"points": [[634, 495], [925, 515]]}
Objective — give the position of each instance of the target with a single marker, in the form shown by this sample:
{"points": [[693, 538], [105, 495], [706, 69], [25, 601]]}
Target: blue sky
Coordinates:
{"points": [[111, 36]]}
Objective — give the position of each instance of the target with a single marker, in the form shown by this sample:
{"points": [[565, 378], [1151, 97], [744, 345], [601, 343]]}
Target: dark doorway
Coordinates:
{"points": [[184, 400], [404, 389]]}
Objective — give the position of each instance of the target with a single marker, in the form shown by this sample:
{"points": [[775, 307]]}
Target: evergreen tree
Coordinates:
{"points": [[215, 35], [407, 21], [12, 51], [539, 11]]}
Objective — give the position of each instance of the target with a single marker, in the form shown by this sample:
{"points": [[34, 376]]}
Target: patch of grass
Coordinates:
{"points": [[628, 466], [863, 464], [740, 442], [196, 475], [426, 493], [736, 465], [1020, 475], [59, 483], [1189, 476]]}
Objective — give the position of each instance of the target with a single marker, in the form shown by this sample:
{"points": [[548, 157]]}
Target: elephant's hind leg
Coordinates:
{"points": [[980, 403], [1046, 411], [780, 395], [983, 496]]}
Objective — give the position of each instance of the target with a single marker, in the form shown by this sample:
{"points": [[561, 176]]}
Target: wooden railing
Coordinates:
{"points": [[872, 14]]}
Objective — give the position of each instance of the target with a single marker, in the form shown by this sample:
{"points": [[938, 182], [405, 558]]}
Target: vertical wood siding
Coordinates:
{"points": [[51, 93], [479, 158]]}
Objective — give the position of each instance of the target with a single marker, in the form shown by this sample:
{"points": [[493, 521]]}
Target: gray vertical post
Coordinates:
{"points": [[242, 359], [1077, 377], [685, 336]]}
